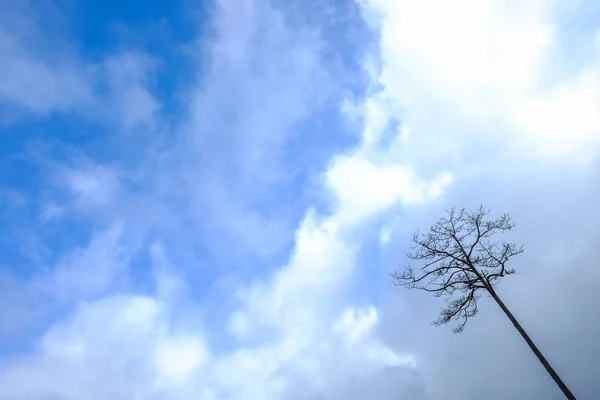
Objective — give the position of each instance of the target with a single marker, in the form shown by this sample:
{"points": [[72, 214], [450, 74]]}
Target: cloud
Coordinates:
{"points": [[38, 85], [491, 63], [481, 91], [243, 119], [286, 326], [96, 266], [129, 77], [95, 186], [120, 346], [547, 296], [204, 266], [366, 188], [39, 81]]}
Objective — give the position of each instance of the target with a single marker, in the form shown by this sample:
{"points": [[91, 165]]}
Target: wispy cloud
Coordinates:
{"points": [[43, 74]]}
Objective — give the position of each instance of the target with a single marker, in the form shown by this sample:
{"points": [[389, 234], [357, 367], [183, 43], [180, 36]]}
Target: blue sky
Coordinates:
{"points": [[205, 199]]}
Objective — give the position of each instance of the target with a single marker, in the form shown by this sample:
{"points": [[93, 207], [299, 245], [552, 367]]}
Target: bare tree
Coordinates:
{"points": [[460, 261]]}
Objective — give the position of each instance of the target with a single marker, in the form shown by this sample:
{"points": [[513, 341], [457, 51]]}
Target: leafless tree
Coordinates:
{"points": [[460, 261]]}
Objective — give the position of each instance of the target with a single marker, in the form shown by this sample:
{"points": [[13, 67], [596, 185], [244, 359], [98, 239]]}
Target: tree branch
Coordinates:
{"points": [[459, 258]]}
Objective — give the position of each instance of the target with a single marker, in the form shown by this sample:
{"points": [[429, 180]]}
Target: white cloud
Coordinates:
{"points": [[490, 91], [298, 333], [178, 357], [355, 324], [475, 69], [566, 118], [294, 308], [95, 186], [43, 74], [283, 328], [364, 188], [108, 348], [32, 80], [385, 235], [291, 299], [132, 104], [244, 115], [96, 266]]}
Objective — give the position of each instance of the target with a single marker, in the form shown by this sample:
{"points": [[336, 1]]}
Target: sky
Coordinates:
{"points": [[205, 199]]}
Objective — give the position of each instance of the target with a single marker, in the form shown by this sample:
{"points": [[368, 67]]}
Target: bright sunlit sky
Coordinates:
{"points": [[204, 199]]}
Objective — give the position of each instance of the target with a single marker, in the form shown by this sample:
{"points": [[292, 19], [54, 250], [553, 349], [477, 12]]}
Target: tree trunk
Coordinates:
{"points": [[534, 348]]}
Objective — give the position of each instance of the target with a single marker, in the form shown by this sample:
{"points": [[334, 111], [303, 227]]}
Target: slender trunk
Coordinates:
{"points": [[534, 348]]}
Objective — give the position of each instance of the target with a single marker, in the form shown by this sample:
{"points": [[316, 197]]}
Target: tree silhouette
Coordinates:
{"points": [[459, 261]]}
